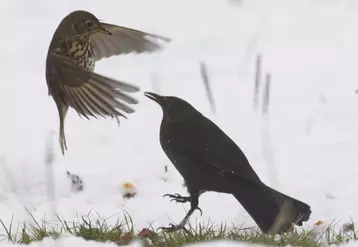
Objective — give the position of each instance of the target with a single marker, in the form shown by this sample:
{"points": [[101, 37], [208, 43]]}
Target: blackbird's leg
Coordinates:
{"points": [[182, 199], [194, 203]]}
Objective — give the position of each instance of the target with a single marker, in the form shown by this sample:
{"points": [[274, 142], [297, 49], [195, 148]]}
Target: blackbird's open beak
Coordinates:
{"points": [[155, 97]]}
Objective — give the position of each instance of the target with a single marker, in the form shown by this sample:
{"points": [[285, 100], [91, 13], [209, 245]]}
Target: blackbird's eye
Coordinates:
{"points": [[89, 24]]}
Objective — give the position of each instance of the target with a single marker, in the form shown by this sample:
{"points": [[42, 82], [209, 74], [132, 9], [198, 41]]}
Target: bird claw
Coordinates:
{"points": [[63, 145], [178, 198], [201, 211], [170, 228], [181, 200], [173, 228], [172, 195]]}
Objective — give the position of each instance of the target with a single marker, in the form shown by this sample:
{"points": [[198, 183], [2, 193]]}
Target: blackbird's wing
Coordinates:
{"points": [[89, 93], [203, 141], [124, 40]]}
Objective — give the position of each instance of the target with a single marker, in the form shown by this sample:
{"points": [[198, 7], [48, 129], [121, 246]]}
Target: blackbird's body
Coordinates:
{"points": [[182, 134], [209, 160], [78, 42]]}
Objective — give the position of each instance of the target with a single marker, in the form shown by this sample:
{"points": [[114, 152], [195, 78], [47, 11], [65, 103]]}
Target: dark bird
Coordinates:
{"points": [[209, 160], [78, 42]]}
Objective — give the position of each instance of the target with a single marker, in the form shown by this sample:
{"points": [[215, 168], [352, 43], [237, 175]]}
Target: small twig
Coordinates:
{"points": [[8, 230], [49, 160], [257, 80], [266, 97], [10, 178], [204, 76], [268, 147]]}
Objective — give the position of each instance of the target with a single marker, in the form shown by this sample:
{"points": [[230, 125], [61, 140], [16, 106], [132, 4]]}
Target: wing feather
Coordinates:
{"points": [[125, 40], [92, 94]]}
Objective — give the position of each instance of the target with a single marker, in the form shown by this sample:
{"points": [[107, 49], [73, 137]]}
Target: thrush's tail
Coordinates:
{"points": [[273, 211]]}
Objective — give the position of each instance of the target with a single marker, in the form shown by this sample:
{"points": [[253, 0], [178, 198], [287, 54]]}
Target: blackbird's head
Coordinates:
{"points": [[174, 108], [80, 23]]}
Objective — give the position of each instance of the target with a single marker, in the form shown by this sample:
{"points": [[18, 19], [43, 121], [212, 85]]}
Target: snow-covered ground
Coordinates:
{"points": [[309, 47], [73, 241]]}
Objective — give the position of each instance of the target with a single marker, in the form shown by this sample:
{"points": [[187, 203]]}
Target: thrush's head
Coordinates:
{"points": [[80, 23], [174, 108]]}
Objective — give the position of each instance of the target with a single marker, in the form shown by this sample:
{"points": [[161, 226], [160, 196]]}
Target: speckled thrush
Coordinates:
{"points": [[78, 42]]}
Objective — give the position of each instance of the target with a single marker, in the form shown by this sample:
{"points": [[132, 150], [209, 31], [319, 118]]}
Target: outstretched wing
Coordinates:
{"points": [[89, 93], [125, 40]]}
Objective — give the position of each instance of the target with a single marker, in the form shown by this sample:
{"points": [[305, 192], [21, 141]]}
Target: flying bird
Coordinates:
{"points": [[209, 160], [79, 41]]}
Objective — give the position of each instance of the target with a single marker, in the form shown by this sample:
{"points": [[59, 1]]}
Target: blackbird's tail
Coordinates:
{"points": [[273, 211]]}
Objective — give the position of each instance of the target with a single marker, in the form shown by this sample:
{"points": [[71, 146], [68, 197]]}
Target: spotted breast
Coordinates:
{"points": [[81, 51]]}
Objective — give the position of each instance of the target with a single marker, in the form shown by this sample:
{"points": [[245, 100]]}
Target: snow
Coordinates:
{"points": [[309, 47], [73, 241]]}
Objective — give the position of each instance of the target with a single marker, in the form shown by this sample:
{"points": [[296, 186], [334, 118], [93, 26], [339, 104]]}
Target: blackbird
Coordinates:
{"points": [[209, 160]]}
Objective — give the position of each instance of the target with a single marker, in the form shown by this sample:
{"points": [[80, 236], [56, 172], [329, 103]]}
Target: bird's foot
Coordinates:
{"points": [[182, 199], [171, 228], [201, 211], [63, 145], [178, 198], [174, 228]]}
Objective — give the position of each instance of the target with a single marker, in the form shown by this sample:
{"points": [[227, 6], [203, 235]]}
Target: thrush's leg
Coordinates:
{"points": [[62, 110], [194, 203]]}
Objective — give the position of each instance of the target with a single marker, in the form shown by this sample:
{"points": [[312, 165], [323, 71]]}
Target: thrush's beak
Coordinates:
{"points": [[155, 97], [104, 31]]}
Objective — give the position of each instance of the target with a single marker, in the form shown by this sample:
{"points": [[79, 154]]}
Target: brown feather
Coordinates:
{"points": [[92, 94], [124, 40]]}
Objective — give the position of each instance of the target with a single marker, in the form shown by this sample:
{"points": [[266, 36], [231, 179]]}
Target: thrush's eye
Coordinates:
{"points": [[89, 24]]}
